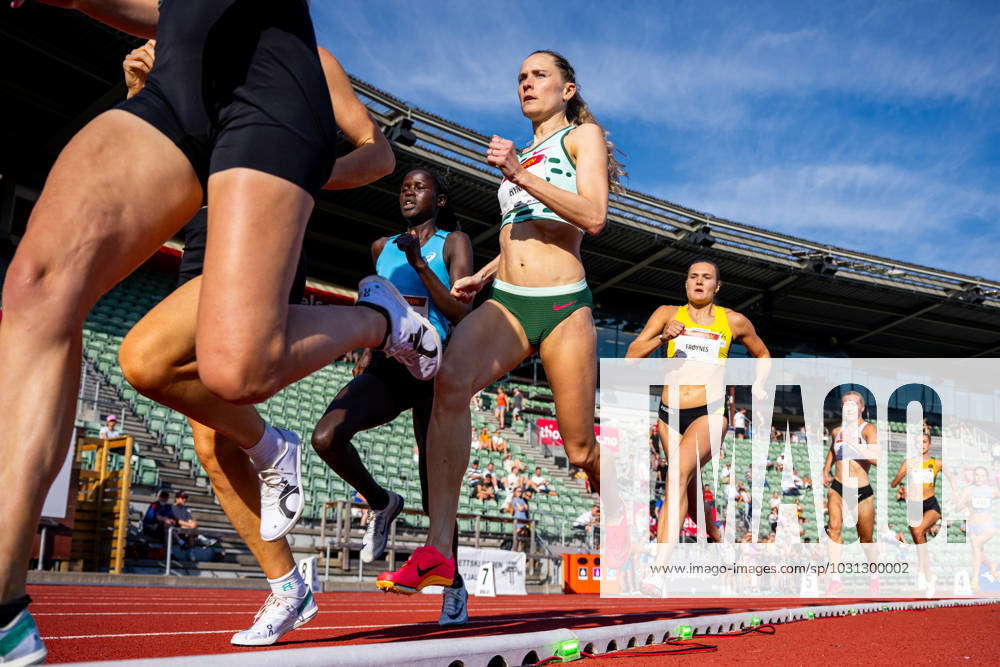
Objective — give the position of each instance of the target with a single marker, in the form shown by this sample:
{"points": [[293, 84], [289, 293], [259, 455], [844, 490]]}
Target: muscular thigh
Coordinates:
{"points": [[118, 190], [487, 343], [569, 355]]}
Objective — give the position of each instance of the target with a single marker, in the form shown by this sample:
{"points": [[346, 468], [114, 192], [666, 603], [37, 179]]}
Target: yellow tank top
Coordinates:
{"points": [[928, 472], [704, 343]]}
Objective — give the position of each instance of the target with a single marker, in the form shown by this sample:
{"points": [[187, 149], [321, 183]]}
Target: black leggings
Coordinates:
{"points": [[377, 396]]}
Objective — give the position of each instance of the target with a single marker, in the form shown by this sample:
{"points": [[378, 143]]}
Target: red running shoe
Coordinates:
{"points": [[426, 567]]}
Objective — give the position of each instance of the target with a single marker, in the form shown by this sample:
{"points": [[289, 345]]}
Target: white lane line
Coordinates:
{"points": [[334, 627]]}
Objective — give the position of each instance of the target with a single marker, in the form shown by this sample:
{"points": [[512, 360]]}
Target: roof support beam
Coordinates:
{"points": [[637, 266], [776, 287], [894, 322]]}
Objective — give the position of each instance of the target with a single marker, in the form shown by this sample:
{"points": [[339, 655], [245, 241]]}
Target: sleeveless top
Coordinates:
{"points": [[699, 341], [853, 452], [981, 498], [392, 266], [928, 472], [549, 160]]}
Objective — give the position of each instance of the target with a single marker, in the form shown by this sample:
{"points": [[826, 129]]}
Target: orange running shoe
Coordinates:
{"points": [[426, 567]]}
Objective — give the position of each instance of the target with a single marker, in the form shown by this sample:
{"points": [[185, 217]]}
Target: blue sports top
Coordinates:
{"points": [[392, 266]]}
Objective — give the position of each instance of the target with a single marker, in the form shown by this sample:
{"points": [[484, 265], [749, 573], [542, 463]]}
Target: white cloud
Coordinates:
{"points": [[876, 208]]}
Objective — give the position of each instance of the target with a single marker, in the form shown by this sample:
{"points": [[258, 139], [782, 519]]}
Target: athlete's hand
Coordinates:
{"points": [[826, 478], [363, 361], [137, 65], [465, 289], [502, 155], [672, 330], [410, 244], [758, 391]]}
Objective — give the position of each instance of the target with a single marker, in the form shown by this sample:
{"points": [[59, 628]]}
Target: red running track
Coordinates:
{"points": [[951, 635], [112, 623]]}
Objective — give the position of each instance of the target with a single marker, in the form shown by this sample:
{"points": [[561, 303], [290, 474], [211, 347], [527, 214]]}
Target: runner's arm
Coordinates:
{"points": [[372, 156], [899, 475], [136, 17], [587, 208], [650, 337]]}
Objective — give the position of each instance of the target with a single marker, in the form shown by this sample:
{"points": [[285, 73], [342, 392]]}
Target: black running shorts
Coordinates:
{"points": [[238, 83]]}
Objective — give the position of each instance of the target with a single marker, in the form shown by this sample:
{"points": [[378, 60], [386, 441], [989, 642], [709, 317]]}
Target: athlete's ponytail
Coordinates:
{"points": [[578, 113]]}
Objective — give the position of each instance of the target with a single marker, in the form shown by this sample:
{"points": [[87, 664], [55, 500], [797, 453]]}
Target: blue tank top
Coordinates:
{"points": [[392, 266]]}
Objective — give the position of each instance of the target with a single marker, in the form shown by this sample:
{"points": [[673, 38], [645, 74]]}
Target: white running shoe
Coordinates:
{"points": [[377, 533], [277, 617], [411, 338], [281, 496], [454, 606], [20, 643]]}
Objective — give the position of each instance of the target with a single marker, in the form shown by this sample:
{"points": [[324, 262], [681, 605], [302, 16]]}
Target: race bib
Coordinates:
{"points": [[699, 344], [981, 502], [925, 476]]}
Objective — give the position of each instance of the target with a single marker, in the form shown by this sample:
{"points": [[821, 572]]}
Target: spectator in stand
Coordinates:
{"points": [[725, 473], [491, 471], [159, 515], [508, 462], [522, 531], [357, 512], [486, 489], [474, 477], [516, 405], [110, 428], [474, 439], [740, 423], [539, 484], [416, 455], [587, 520], [500, 409], [772, 518], [485, 439], [477, 400], [661, 473], [775, 501], [498, 443], [789, 485], [184, 520], [512, 481]]}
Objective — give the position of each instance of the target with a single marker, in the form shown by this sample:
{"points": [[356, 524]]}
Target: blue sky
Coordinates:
{"points": [[871, 126]]}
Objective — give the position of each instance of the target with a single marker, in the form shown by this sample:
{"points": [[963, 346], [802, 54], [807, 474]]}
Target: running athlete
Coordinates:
{"points": [[236, 111], [703, 332], [552, 193], [852, 453], [978, 499], [423, 262], [923, 471]]}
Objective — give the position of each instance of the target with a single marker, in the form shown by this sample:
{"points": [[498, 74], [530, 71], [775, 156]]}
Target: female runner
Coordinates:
{"points": [[158, 359], [553, 192], [923, 471], [423, 262], [852, 453], [237, 111], [979, 498], [703, 332]]}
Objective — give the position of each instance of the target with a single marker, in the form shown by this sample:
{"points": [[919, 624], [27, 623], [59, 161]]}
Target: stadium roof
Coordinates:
{"points": [[803, 296]]}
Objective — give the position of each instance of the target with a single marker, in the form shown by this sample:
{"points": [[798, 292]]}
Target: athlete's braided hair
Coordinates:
{"points": [[446, 218], [578, 113]]}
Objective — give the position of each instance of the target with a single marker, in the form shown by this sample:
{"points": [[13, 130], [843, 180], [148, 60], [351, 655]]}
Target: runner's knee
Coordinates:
{"points": [[333, 433], [143, 365]]}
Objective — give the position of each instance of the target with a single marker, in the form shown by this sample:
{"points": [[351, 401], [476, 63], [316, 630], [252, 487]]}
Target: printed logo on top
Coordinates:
{"points": [[533, 160]]}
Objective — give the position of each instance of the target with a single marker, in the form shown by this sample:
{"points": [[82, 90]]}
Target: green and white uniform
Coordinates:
{"points": [[540, 309]]}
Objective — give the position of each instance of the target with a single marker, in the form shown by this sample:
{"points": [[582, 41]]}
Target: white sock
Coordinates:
{"points": [[289, 585], [267, 449]]}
